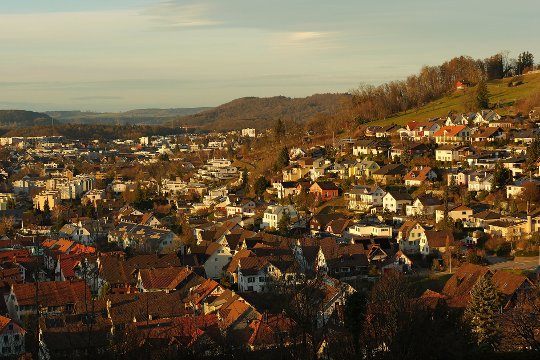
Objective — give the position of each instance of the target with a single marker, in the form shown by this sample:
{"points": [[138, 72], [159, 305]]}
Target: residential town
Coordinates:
{"points": [[182, 244]]}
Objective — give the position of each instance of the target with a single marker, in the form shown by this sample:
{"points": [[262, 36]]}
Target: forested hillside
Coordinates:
{"points": [[10, 118], [261, 113]]}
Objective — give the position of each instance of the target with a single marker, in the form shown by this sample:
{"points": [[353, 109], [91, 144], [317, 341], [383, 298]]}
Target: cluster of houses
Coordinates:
{"points": [[189, 258]]}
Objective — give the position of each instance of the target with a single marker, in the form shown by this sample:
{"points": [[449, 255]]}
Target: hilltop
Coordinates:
{"points": [[260, 113], [131, 117], [11, 118], [500, 94]]}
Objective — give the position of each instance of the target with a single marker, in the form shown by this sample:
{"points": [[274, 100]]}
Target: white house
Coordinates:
{"points": [[363, 197], [394, 201], [274, 213], [240, 207], [480, 181], [378, 230], [11, 338], [409, 236], [219, 256], [255, 274]]}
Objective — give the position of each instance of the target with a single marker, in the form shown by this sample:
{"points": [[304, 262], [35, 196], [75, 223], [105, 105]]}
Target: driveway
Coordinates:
{"points": [[519, 263]]}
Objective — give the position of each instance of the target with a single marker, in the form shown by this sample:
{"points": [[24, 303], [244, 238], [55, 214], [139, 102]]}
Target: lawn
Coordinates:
{"points": [[499, 93]]}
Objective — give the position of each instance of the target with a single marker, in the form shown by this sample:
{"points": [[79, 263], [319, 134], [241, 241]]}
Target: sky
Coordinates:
{"points": [[115, 55]]}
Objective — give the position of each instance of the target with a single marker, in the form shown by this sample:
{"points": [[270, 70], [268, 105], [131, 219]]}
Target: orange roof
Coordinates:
{"points": [[450, 130], [418, 173], [82, 249], [4, 321]]}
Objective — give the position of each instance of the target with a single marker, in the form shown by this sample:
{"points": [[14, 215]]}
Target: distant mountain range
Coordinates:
{"points": [[260, 113], [131, 117], [10, 118]]}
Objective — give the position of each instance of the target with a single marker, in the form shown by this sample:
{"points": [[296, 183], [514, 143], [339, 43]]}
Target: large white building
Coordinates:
{"points": [[72, 188], [218, 169]]}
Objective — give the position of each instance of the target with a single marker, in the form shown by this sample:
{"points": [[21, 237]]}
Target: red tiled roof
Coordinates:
{"points": [[506, 282], [459, 286], [164, 278], [52, 293]]}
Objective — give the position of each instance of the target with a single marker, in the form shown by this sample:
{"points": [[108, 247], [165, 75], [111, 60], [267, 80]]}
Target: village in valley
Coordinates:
{"points": [[264, 242]]}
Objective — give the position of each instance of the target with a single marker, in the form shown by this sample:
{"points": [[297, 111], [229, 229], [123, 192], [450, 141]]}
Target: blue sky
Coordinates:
{"points": [[111, 55]]}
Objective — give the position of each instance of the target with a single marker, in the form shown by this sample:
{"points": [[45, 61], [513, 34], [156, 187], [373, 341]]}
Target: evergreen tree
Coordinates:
{"points": [[482, 95], [283, 159], [481, 313], [279, 130], [533, 151], [284, 222], [245, 180], [355, 316], [260, 186], [501, 177]]}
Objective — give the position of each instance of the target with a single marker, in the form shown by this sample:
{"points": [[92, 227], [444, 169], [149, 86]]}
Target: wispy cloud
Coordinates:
{"points": [[97, 98], [172, 14], [305, 40]]}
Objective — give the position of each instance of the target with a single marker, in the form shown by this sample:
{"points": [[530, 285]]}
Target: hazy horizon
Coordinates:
{"points": [[118, 55]]}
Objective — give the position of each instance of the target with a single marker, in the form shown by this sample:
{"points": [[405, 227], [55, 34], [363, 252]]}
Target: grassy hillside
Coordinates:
{"points": [[260, 113], [499, 92]]}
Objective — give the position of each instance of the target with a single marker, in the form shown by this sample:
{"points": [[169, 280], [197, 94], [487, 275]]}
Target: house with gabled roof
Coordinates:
{"points": [[460, 134], [419, 175], [488, 134], [324, 190], [510, 285], [396, 201], [409, 235], [399, 262], [436, 241], [363, 168], [255, 274], [455, 212], [52, 297], [231, 270], [423, 205], [458, 288], [363, 197], [141, 236], [12, 338], [310, 257], [165, 279], [218, 256], [480, 181], [389, 174]]}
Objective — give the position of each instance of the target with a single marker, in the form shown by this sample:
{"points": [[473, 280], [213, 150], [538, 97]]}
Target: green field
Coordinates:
{"points": [[499, 93]]}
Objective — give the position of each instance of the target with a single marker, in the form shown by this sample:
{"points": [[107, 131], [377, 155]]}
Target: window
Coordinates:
{"points": [[262, 279], [251, 279]]}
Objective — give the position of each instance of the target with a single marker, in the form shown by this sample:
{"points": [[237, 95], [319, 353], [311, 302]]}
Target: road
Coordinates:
{"points": [[520, 263]]}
